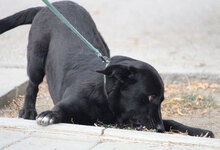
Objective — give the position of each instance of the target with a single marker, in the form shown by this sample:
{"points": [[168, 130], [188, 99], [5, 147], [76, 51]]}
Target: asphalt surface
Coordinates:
{"points": [[174, 36]]}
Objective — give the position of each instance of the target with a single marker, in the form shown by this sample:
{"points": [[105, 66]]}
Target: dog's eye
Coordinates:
{"points": [[151, 98]]}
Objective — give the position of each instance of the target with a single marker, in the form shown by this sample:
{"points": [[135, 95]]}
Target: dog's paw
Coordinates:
{"points": [[209, 134], [201, 133], [28, 113], [48, 117]]}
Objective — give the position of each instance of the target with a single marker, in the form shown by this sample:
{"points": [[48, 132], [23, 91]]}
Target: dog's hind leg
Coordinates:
{"points": [[37, 52]]}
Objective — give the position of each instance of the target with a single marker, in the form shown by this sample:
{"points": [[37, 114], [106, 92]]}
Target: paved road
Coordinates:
{"points": [[175, 36]]}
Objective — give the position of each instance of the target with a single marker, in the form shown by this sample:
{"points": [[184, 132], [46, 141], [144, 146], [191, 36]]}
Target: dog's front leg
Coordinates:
{"points": [[56, 115], [171, 125], [61, 113]]}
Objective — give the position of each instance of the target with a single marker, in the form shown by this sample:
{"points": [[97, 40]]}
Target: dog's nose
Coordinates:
{"points": [[160, 128]]}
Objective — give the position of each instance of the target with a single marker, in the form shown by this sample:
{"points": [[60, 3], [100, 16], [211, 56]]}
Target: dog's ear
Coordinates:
{"points": [[119, 72]]}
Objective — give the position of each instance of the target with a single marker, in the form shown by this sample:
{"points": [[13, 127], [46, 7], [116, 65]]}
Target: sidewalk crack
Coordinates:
{"points": [[102, 132], [17, 141], [100, 141]]}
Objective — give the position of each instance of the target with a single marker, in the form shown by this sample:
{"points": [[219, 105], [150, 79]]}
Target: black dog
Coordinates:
{"points": [[133, 91]]}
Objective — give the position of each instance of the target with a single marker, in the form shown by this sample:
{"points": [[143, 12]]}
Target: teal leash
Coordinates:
{"points": [[70, 26]]}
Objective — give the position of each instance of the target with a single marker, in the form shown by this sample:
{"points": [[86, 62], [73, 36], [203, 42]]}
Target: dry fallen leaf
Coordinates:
{"points": [[10, 114], [180, 113], [16, 104], [199, 97]]}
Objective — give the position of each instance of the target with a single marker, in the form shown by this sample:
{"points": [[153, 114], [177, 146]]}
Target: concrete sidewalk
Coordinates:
{"points": [[17, 134]]}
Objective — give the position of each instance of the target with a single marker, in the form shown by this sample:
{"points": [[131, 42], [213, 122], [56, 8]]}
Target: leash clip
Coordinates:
{"points": [[104, 59]]}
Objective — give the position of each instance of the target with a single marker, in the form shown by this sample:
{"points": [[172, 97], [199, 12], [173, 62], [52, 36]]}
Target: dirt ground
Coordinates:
{"points": [[194, 104]]}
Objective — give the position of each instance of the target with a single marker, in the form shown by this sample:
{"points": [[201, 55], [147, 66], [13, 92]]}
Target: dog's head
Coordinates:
{"points": [[135, 92]]}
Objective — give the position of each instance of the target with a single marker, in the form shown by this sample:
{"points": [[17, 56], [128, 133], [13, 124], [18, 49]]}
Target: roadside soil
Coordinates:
{"points": [[195, 104]]}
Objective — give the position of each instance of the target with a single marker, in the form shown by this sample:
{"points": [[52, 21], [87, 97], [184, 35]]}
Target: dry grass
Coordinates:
{"points": [[43, 103], [189, 98], [181, 100]]}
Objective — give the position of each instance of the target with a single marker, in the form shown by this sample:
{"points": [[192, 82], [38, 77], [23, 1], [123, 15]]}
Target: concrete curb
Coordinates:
{"points": [[188, 77], [145, 137], [62, 128], [108, 135], [7, 98]]}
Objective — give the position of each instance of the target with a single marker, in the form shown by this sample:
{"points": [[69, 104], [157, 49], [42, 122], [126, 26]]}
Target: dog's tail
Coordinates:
{"points": [[20, 18]]}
